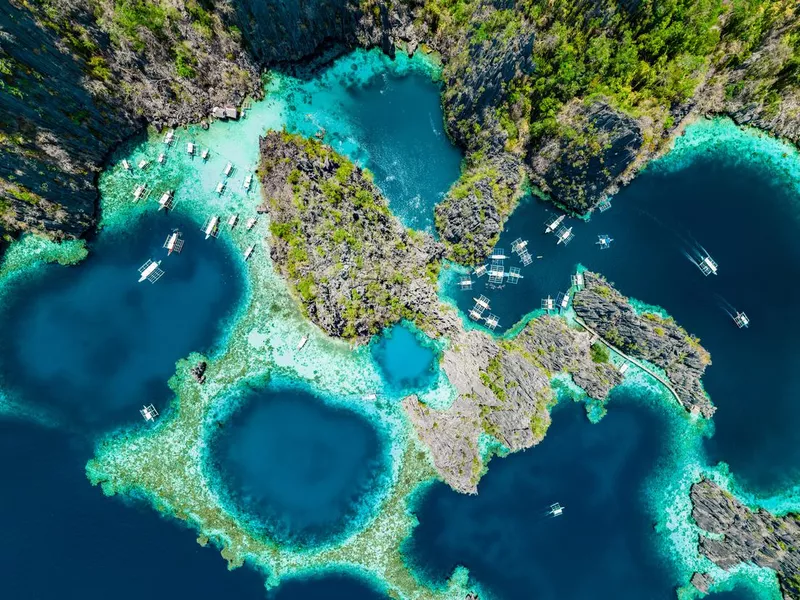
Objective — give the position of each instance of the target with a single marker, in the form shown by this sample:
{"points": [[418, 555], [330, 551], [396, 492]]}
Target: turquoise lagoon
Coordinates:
{"points": [[624, 481]]}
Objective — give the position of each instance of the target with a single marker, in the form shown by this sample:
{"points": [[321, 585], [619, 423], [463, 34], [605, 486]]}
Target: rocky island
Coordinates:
{"points": [[355, 270], [737, 535]]}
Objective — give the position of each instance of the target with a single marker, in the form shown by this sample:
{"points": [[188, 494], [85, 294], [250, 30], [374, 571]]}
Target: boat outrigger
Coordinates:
{"points": [[707, 265], [249, 251], [150, 271], [174, 242], [165, 202], [553, 225], [741, 320], [211, 227], [556, 510], [564, 235], [604, 241], [149, 413]]}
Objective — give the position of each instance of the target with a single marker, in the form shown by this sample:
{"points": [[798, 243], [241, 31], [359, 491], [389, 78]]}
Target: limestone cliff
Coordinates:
{"points": [[648, 336], [739, 535]]}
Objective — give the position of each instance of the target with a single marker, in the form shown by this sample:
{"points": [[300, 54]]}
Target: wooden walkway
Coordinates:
{"points": [[642, 366]]}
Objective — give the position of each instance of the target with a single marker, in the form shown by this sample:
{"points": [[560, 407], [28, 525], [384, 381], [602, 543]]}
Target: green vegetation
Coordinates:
{"points": [[185, 61], [130, 16], [599, 352]]}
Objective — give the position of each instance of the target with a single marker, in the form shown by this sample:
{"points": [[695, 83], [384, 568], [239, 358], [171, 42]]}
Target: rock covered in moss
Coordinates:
{"points": [[647, 336], [740, 535], [350, 262]]}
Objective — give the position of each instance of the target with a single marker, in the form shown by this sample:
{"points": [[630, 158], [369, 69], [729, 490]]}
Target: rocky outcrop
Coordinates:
{"points": [[647, 336], [740, 535], [578, 171], [503, 390], [352, 265]]}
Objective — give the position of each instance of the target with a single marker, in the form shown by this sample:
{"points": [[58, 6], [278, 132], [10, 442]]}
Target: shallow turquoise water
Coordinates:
{"points": [[299, 469], [407, 362]]}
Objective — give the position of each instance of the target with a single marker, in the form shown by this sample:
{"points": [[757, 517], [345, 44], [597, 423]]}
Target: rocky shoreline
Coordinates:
{"points": [[356, 270], [106, 69], [734, 534]]}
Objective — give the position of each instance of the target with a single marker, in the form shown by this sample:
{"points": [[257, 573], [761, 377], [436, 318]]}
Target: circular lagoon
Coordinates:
{"points": [[299, 470], [406, 360], [90, 344]]}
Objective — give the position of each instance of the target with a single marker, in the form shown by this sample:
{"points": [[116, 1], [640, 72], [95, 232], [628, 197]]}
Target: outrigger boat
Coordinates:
{"points": [[211, 227], [174, 242], [251, 223], [233, 220], [604, 241], [564, 235], [741, 320], [302, 342], [553, 225], [247, 181], [556, 510], [249, 251], [165, 202], [150, 271]]}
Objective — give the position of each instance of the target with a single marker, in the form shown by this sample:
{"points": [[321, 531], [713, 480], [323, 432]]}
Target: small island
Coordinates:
{"points": [[735, 534]]}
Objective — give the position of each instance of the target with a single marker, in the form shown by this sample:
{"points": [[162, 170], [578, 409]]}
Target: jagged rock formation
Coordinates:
{"points": [[353, 266], [743, 536], [504, 390], [575, 96], [647, 336]]}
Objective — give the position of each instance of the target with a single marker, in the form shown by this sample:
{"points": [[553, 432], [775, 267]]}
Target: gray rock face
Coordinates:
{"points": [[353, 266], [503, 390], [579, 171], [649, 337], [746, 536]]}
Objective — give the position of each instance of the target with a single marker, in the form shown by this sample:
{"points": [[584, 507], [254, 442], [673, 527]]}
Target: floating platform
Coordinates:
{"points": [[149, 413], [211, 227], [150, 271]]}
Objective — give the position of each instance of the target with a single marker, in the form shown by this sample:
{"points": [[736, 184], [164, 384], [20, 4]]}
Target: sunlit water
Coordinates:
{"points": [[89, 343]]}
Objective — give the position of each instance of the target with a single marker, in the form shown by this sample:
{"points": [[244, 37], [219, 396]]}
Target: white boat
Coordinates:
{"points": [[204, 154], [144, 163], [165, 202], [190, 149], [174, 242], [138, 192], [170, 135], [251, 223], [126, 165], [249, 251], [553, 225], [233, 220], [220, 187], [150, 271], [371, 397], [556, 510], [741, 320], [247, 181], [228, 169], [565, 235], [161, 158], [708, 266], [149, 413], [302, 343], [211, 227]]}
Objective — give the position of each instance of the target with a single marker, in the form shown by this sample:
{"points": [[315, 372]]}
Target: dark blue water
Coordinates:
{"points": [[748, 222], [297, 467], [332, 587], [91, 344], [406, 360], [63, 539], [603, 546]]}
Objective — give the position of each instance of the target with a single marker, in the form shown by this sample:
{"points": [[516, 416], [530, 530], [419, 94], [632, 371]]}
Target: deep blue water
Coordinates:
{"points": [[91, 344], [603, 546], [748, 222], [297, 467], [406, 361]]}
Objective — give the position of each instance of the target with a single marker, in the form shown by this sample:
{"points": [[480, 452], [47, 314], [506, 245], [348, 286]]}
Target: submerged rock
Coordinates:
{"points": [[741, 535], [647, 336], [198, 372]]}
